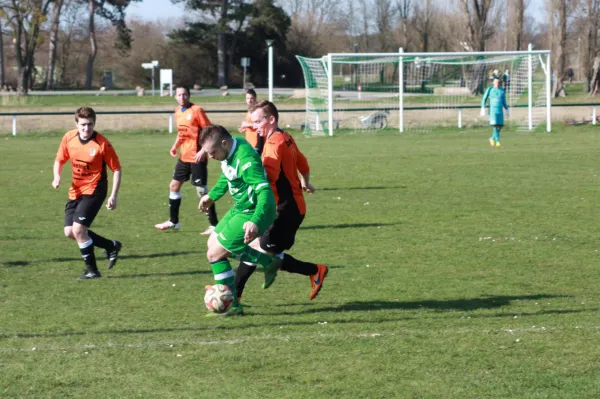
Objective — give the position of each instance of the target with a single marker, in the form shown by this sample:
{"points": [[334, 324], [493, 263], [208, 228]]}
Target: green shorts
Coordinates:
{"points": [[230, 230]]}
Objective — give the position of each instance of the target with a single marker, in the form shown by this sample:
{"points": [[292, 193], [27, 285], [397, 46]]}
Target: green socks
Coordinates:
{"points": [[223, 274]]}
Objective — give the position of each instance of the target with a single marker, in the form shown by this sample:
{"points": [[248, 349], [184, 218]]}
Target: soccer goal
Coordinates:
{"points": [[422, 91]]}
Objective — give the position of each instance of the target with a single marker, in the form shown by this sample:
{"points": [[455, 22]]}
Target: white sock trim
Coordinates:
{"points": [[174, 195], [85, 244], [250, 264], [224, 275]]}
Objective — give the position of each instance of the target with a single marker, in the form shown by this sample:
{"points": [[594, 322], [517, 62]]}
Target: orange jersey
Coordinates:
{"points": [[283, 161], [189, 121], [250, 133], [88, 162]]}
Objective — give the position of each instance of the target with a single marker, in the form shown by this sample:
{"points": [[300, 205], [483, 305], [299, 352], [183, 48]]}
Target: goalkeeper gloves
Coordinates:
{"points": [[482, 113]]}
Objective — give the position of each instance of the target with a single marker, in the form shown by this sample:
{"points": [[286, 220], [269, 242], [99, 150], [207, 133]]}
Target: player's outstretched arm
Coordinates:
{"points": [[305, 183], [205, 203], [303, 168], [484, 100], [111, 204], [219, 189], [245, 125], [175, 146], [250, 232], [57, 169], [200, 156]]}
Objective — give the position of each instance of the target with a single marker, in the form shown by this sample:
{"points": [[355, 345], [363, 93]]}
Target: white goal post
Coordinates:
{"points": [[369, 91]]}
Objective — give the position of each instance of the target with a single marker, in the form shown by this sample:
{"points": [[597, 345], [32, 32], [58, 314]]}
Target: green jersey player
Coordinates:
{"points": [[497, 98], [253, 211]]}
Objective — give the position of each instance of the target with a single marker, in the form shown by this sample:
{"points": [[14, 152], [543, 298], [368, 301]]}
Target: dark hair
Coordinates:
{"points": [[213, 132], [251, 92], [85, 113], [187, 89], [268, 108]]}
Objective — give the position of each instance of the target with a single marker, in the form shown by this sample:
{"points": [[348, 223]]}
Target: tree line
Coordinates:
{"points": [[50, 44]]}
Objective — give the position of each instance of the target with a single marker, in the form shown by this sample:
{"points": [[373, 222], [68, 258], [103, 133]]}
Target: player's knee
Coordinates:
{"points": [[201, 190], [79, 231], [216, 253], [262, 246], [213, 255], [69, 232], [175, 186]]}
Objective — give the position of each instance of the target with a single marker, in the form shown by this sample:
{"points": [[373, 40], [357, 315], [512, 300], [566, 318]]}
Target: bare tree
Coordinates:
{"points": [[514, 23], [113, 11], [89, 74], [56, 8], [25, 18], [2, 73], [557, 12], [482, 17], [350, 27], [315, 24], [590, 75], [71, 44], [405, 10], [481, 21], [384, 15], [425, 23]]}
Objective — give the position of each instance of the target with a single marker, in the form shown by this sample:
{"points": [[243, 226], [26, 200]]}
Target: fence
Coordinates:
{"points": [[300, 120]]}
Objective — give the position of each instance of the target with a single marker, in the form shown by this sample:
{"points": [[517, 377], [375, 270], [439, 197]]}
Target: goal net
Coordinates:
{"points": [[421, 91]]}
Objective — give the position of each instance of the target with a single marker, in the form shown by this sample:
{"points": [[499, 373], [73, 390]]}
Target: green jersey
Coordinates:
{"points": [[245, 178], [497, 99]]}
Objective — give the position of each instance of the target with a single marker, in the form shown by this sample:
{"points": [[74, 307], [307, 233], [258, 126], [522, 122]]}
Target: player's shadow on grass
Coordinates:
{"points": [[172, 274], [346, 226], [144, 256], [15, 263], [359, 188], [468, 304], [388, 318]]}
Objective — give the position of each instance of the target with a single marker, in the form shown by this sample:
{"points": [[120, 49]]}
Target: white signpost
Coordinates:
{"points": [[245, 64], [270, 46], [151, 65], [166, 78]]}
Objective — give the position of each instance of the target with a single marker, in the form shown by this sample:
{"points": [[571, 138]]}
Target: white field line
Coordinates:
{"points": [[282, 337]]}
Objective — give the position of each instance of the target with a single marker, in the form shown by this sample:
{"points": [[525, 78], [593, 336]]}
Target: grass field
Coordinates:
{"points": [[105, 101], [457, 271], [47, 102]]}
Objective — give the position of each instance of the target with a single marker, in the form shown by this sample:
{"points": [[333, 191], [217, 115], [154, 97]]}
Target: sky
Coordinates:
{"points": [[152, 10]]}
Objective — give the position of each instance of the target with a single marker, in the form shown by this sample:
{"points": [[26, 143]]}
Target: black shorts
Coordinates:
{"points": [[83, 210], [198, 171], [282, 233]]}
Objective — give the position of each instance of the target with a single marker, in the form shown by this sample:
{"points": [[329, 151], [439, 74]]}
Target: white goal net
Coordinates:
{"points": [[421, 91]]}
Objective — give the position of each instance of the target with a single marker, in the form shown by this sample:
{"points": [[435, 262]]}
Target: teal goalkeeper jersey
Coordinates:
{"points": [[497, 99], [245, 178]]}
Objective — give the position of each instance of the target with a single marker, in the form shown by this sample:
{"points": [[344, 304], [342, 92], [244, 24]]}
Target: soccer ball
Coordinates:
{"points": [[218, 298]]}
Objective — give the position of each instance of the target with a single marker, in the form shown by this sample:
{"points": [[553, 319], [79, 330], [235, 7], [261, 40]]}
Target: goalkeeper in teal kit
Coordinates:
{"points": [[254, 208], [497, 98]]}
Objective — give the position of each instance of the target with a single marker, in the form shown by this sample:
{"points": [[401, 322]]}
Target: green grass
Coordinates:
{"points": [[457, 271], [118, 100], [47, 103]]}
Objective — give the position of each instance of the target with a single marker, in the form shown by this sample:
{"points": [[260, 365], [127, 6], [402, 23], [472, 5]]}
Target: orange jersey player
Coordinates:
{"points": [[283, 161], [247, 126], [90, 153], [288, 173], [190, 119]]}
